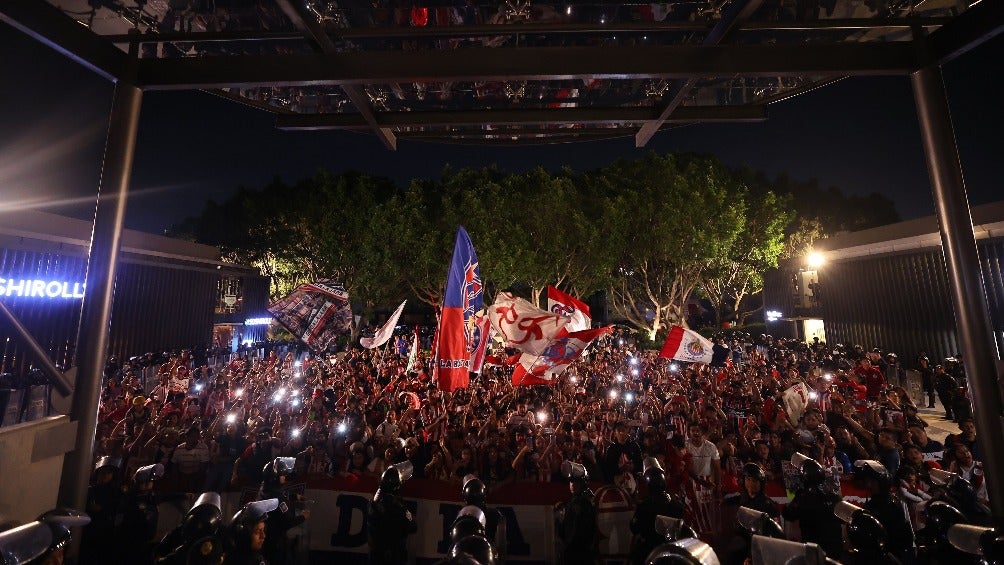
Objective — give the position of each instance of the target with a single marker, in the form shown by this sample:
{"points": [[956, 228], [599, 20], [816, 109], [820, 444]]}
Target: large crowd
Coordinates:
{"points": [[720, 431]]}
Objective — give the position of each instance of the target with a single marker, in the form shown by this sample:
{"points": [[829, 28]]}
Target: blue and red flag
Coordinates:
{"points": [[463, 297]]}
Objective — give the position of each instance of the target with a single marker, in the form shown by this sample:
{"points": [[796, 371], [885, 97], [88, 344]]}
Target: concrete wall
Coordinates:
{"points": [[31, 463]]}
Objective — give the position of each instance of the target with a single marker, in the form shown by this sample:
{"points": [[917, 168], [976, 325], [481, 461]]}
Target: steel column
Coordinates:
{"points": [[958, 241], [92, 340]]}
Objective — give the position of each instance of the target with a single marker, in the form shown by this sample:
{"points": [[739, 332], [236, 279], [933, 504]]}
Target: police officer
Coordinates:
{"points": [[932, 539], [867, 536], [248, 532], [203, 520], [755, 516], [389, 522], [657, 503], [136, 522], [887, 508], [103, 498], [813, 507], [576, 527], [60, 521], [275, 475], [475, 494]]}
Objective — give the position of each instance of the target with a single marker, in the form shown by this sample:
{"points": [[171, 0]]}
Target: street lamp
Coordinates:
{"points": [[815, 260]]}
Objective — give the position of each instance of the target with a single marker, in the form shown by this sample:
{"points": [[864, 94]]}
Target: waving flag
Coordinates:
{"points": [[480, 337], [316, 313], [464, 296], [559, 354], [385, 331], [524, 326], [413, 356], [686, 345], [567, 305]]}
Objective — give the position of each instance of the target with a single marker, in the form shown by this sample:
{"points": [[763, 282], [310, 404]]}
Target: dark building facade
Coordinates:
{"points": [[885, 287], [169, 294]]}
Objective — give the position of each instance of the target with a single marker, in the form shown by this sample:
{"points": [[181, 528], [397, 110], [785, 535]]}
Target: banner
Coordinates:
{"points": [[796, 399], [567, 305], [524, 326], [316, 313], [686, 345], [464, 296], [385, 332]]}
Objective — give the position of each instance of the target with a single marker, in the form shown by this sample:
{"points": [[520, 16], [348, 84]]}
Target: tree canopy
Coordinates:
{"points": [[651, 233]]}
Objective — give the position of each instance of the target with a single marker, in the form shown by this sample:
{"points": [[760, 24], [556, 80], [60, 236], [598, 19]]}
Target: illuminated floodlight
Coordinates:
{"points": [[815, 260]]}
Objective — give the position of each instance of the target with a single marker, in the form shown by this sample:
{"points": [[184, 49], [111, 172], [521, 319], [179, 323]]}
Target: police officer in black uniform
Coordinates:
{"points": [[41, 541], [657, 503], [475, 494], [755, 516], [275, 475], [136, 522], [203, 520], [868, 538], [103, 498], [576, 519], [813, 507], [389, 522], [890, 511], [248, 532], [60, 521]]}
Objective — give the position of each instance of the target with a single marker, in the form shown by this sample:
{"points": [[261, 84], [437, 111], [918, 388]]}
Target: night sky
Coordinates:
{"points": [[860, 134]]}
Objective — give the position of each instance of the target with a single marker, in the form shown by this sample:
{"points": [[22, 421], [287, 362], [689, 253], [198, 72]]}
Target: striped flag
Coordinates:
{"points": [[464, 296]]}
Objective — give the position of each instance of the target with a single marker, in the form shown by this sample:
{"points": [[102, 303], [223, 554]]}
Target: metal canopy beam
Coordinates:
{"points": [[684, 115], [315, 32], [737, 12], [975, 26], [669, 62], [49, 26]]}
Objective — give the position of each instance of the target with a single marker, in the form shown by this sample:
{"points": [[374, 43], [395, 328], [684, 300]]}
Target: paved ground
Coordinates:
{"points": [[938, 427]]}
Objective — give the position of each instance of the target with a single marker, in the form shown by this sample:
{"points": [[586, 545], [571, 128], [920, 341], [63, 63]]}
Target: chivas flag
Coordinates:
{"points": [[316, 313], [481, 336], [567, 305], [385, 331], [686, 345], [562, 351], [524, 326], [464, 296]]}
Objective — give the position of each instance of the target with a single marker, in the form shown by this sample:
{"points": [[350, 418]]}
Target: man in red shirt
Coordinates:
{"points": [[871, 377]]}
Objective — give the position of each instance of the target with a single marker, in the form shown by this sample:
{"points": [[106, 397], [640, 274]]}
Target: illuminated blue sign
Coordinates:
{"points": [[257, 321], [34, 288]]}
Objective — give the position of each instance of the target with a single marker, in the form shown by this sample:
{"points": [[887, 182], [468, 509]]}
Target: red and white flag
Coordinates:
{"points": [[686, 345], [567, 305], [562, 351], [481, 336], [524, 326], [385, 332]]}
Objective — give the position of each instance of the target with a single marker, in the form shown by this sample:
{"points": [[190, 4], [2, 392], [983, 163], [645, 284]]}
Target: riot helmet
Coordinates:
{"points": [[474, 491]]}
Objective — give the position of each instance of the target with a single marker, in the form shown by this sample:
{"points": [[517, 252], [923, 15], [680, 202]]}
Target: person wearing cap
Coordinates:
{"points": [[657, 503], [103, 498], [576, 519], [813, 505], [248, 533], [890, 511], [275, 476], [389, 521]]}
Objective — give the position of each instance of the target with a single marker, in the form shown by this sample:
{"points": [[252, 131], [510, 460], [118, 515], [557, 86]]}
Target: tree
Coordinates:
{"points": [[736, 275], [671, 216]]}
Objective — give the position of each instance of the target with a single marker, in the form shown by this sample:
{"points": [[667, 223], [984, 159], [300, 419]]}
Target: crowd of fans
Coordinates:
{"points": [[357, 412]]}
